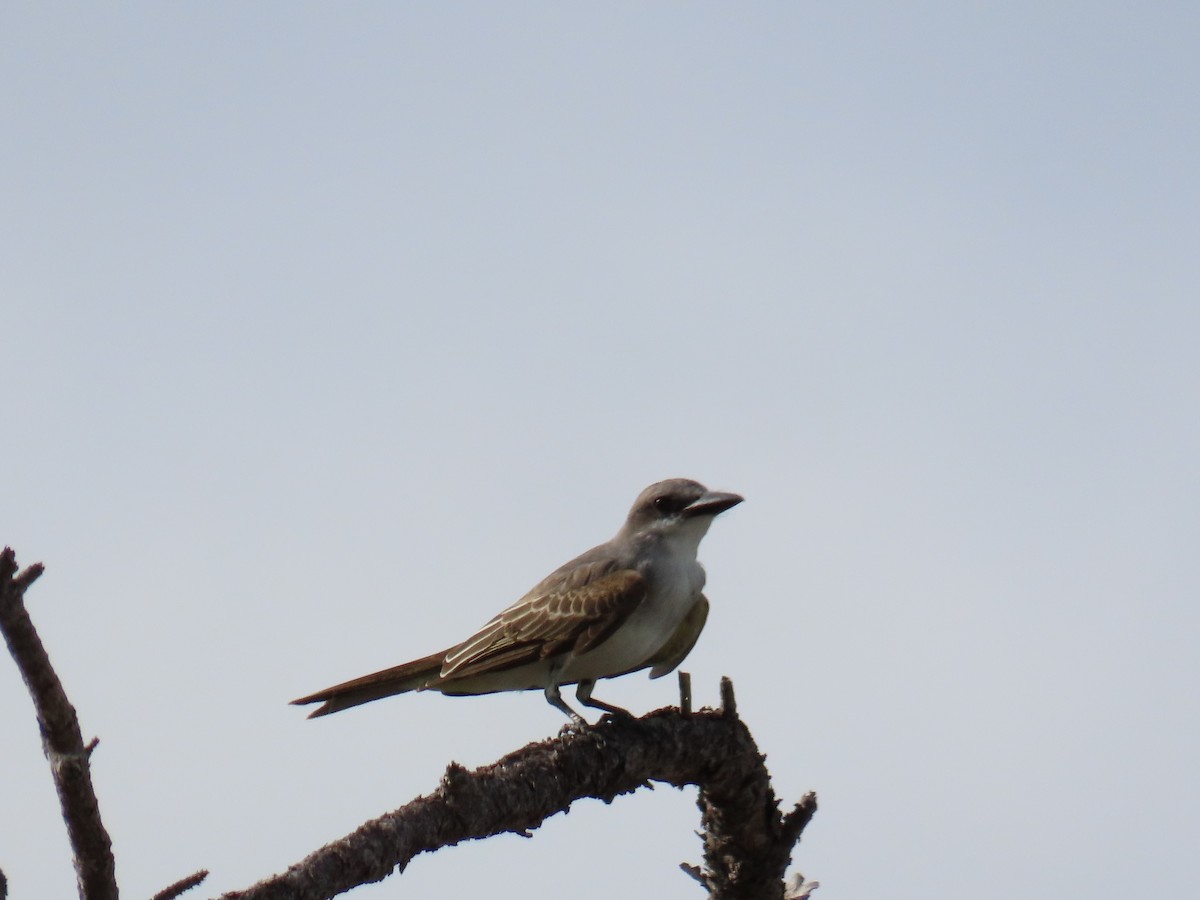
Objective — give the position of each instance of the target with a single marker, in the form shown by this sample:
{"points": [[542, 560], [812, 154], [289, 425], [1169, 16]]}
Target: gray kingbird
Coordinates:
{"points": [[632, 603]]}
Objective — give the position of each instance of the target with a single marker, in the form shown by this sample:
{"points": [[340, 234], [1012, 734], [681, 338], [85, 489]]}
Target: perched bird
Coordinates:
{"points": [[632, 603]]}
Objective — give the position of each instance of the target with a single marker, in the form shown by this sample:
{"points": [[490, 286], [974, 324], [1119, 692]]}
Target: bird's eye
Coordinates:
{"points": [[663, 504]]}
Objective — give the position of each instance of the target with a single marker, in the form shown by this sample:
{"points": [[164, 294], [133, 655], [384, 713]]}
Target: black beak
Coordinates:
{"points": [[712, 503]]}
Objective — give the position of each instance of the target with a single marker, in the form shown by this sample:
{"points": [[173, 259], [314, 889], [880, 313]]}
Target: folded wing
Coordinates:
{"points": [[570, 612]]}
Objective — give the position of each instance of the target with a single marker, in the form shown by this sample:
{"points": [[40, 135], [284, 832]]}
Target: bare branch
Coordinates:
{"points": [[24, 579], [170, 892], [747, 848], [728, 701], [747, 841], [797, 820], [62, 741], [685, 693]]}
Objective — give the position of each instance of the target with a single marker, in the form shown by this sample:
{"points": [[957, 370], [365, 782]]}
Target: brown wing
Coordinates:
{"points": [[571, 611], [680, 644]]}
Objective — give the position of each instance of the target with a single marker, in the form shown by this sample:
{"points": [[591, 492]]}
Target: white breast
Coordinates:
{"points": [[675, 580]]}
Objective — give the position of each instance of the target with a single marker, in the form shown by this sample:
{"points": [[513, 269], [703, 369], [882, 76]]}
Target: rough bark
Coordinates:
{"points": [[747, 842], [62, 741]]}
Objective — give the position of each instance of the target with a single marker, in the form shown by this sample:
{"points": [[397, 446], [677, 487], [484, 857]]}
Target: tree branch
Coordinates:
{"points": [[171, 891], [748, 844], [62, 741], [747, 841]]}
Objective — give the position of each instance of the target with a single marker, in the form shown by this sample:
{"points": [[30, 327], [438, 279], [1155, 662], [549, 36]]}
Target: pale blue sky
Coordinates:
{"points": [[331, 328]]}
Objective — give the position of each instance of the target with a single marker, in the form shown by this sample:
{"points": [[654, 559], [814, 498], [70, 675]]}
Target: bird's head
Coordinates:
{"points": [[677, 505]]}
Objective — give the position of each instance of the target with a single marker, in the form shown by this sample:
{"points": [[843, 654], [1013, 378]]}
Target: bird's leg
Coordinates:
{"points": [[584, 694], [554, 698]]}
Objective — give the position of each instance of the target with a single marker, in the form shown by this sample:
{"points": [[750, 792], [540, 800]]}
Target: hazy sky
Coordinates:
{"points": [[329, 329]]}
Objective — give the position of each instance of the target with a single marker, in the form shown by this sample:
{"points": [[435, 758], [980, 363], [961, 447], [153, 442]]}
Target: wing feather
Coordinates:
{"points": [[680, 644], [572, 611]]}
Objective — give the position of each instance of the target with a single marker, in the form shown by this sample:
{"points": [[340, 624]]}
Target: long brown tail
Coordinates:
{"points": [[409, 676]]}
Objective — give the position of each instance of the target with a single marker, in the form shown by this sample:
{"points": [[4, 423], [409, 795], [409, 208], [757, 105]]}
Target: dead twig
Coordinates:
{"points": [[747, 846], [171, 891], [62, 740]]}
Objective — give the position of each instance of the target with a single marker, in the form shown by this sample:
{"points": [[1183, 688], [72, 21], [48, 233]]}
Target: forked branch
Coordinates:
{"points": [[748, 843]]}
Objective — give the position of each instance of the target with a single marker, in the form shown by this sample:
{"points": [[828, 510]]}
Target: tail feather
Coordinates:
{"points": [[409, 676]]}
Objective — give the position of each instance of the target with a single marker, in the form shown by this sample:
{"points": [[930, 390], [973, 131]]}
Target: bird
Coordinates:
{"points": [[634, 602]]}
